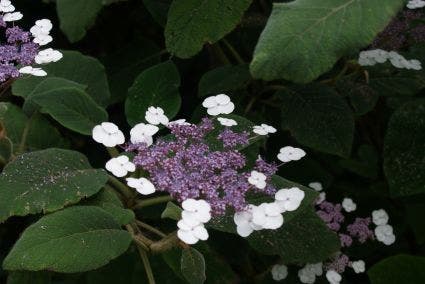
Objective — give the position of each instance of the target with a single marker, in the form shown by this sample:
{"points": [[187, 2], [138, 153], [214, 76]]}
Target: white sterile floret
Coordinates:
{"points": [[227, 121], [120, 166], [257, 179], [191, 234], [38, 72], [243, 221], [268, 216], [309, 272], [415, 4], [6, 6], [317, 186], [220, 104], [43, 39], [263, 129], [108, 134], [358, 266], [333, 277], [371, 57], [349, 205], [142, 185], [179, 122], [321, 197], [385, 234], [288, 153], [380, 217], [142, 133], [279, 272], [155, 116], [289, 199], [11, 17], [47, 56], [196, 211]]}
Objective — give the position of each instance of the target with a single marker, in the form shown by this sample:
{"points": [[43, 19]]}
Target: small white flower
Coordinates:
{"points": [[263, 129], [288, 153], [333, 277], [227, 121], [220, 104], [385, 234], [142, 133], [309, 272], [6, 6], [321, 197], [317, 186], [289, 199], [42, 39], [120, 166], [43, 26], [196, 211], [358, 266], [47, 56], [108, 134], [268, 216], [11, 17], [179, 122], [244, 224], [257, 179], [415, 4], [191, 234], [38, 72], [155, 116], [380, 217], [279, 272], [142, 185], [349, 205]]}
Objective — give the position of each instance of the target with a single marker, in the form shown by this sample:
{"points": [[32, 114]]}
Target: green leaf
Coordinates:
{"points": [[29, 277], [193, 266], [72, 108], [304, 38], [404, 165], [318, 118], [76, 239], [158, 9], [13, 120], [192, 23], [402, 83], [77, 16], [398, 269], [157, 86], [172, 211], [6, 150], [222, 79], [76, 67], [46, 181]]}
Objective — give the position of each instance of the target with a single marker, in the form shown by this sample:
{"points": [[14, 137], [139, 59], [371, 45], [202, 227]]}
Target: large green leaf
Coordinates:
{"points": [[45, 181], [72, 108], [29, 277], [76, 67], [304, 38], [156, 86], [398, 269], [404, 150], [318, 118], [76, 239], [192, 23], [193, 266], [158, 9]]}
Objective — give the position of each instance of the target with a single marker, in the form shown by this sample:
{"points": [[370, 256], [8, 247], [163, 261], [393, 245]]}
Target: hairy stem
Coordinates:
{"points": [[150, 228], [233, 51], [144, 256], [152, 201], [122, 188]]}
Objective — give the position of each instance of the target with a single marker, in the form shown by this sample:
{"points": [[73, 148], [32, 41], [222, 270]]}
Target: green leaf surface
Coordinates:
{"points": [[29, 277], [192, 23], [223, 79], [157, 86], [398, 269], [404, 150], [6, 150], [76, 67], [158, 9], [318, 118], [46, 181], [172, 211], [75, 239], [304, 38], [72, 108], [193, 266]]}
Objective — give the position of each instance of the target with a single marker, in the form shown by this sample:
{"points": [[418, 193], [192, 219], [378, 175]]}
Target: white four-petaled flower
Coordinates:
{"points": [[220, 104], [349, 205], [120, 166], [108, 134], [47, 56], [142, 185], [191, 234], [415, 4], [333, 277], [257, 179], [308, 273], [385, 234], [288, 153], [289, 199], [263, 129], [6, 6], [196, 211], [11, 17], [38, 72], [267, 216], [156, 116], [358, 266], [143, 133], [380, 217], [279, 272], [41, 32], [317, 186], [227, 121], [244, 223]]}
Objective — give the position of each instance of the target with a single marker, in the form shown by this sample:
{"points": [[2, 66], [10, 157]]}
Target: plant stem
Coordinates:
{"points": [[146, 264], [21, 147], [150, 228], [152, 201], [113, 152], [216, 48], [123, 189], [233, 51]]}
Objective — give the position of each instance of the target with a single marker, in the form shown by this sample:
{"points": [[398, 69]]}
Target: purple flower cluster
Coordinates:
{"points": [[16, 50], [186, 166], [360, 229], [338, 263]]}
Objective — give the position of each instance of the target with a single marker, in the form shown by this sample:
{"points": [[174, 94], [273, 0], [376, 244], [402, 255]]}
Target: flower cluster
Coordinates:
{"points": [[372, 57], [207, 178], [21, 49]]}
